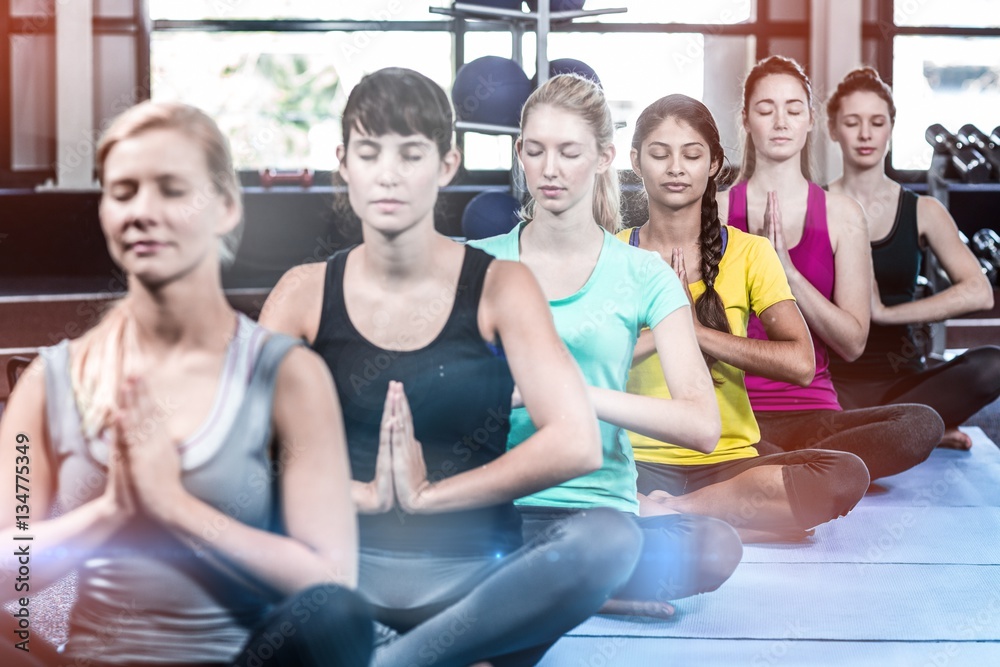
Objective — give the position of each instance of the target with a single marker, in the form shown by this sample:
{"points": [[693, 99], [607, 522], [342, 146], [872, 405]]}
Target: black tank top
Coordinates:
{"points": [[891, 349], [459, 388]]}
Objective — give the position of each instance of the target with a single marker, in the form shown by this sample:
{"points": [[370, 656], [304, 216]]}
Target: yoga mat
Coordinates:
{"points": [[841, 601], [911, 578], [642, 652], [887, 534]]}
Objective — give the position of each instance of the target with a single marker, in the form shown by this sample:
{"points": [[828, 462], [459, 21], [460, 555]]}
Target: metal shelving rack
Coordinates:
{"points": [[517, 22]]}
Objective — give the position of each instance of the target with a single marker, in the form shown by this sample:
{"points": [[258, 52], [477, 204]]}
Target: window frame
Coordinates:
{"points": [[885, 30], [761, 26], [44, 24]]}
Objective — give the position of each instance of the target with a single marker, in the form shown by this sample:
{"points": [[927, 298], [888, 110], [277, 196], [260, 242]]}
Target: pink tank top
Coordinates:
{"points": [[813, 257]]}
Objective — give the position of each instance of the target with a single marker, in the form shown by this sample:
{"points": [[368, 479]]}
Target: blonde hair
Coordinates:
{"points": [[100, 364], [585, 98], [104, 355], [764, 68], [197, 125]]}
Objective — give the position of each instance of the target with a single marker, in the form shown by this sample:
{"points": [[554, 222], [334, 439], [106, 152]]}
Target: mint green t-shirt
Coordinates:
{"points": [[628, 290]]}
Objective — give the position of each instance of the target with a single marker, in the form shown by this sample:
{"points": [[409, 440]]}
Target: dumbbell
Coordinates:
{"points": [[971, 165], [971, 135], [985, 246]]}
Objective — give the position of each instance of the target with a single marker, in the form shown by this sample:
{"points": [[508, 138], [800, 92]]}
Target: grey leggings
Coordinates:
{"points": [[957, 389], [458, 610], [682, 555], [322, 626], [888, 439]]}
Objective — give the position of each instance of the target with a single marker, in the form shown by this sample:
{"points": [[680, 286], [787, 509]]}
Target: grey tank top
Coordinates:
{"points": [[145, 596]]}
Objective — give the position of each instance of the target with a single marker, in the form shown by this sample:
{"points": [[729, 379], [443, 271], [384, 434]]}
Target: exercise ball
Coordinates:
{"points": [[490, 90], [558, 5], [490, 214], [569, 66]]}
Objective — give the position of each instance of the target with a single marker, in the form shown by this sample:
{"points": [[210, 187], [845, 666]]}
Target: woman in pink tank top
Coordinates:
{"points": [[822, 241]]}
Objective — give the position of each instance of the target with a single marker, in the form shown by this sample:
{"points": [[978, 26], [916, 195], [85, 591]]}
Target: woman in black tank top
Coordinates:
{"points": [[167, 504], [901, 224], [425, 338]]}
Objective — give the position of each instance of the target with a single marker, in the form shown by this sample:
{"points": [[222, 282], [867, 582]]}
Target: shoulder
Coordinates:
{"points": [[845, 221], [620, 250], [931, 210], [503, 246], [297, 296], [302, 276], [842, 209], [935, 224], [505, 278], [300, 373], [747, 247]]}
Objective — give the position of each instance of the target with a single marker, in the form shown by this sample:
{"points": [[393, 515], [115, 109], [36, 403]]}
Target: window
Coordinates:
{"points": [[278, 95], [940, 56], [946, 80], [276, 73]]}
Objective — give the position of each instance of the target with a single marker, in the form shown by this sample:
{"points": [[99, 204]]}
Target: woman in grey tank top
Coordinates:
{"points": [[144, 448]]}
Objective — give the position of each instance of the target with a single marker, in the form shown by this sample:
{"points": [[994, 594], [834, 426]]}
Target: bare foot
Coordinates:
{"points": [[754, 536], [657, 503], [652, 608], [955, 439]]}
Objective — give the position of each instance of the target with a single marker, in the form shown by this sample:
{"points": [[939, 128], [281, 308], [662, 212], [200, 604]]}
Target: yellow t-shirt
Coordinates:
{"points": [[751, 278]]}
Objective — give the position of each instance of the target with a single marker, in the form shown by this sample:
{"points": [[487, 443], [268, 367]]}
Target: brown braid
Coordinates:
{"points": [[710, 310]]}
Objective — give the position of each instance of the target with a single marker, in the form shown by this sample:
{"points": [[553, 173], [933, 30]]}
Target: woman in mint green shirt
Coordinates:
{"points": [[602, 292]]}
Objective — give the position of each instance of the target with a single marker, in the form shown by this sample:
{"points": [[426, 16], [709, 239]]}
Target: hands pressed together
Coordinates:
{"points": [[400, 472], [144, 467], [775, 233]]}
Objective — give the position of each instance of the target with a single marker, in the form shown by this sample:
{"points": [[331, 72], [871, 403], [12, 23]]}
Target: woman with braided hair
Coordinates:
{"points": [[727, 274]]}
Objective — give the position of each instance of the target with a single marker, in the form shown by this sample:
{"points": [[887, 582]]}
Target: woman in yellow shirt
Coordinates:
{"points": [[677, 152]]}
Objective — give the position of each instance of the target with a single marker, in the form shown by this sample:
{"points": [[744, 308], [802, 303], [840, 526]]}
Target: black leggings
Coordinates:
{"points": [[322, 626], [457, 610], [682, 555], [821, 485], [888, 439], [957, 389]]}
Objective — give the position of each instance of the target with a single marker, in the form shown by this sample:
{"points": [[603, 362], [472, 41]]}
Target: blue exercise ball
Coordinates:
{"points": [[558, 5], [490, 214], [490, 90], [569, 66]]}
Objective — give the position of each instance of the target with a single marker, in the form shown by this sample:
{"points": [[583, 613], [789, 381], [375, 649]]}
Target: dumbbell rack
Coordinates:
{"points": [[517, 22]]}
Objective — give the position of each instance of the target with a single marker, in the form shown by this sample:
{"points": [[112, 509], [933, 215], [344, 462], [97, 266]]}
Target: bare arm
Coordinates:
{"points": [[843, 322], [322, 538], [969, 291], [645, 347], [60, 544], [786, 355], [690, 417], [294, 307], [567, 441]]}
